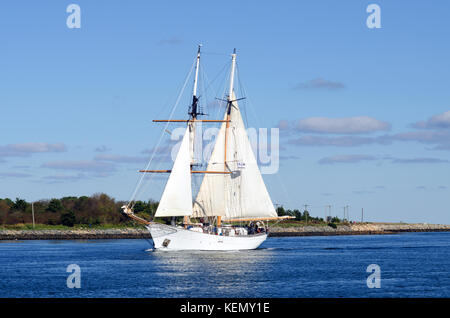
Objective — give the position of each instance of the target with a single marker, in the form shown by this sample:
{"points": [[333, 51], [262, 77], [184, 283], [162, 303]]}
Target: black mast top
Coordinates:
{"points": [[194, 109]]}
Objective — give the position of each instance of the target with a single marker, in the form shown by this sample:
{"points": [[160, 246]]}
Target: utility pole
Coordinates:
{"points": [[347, 216], [306, 214], [32, 212]]}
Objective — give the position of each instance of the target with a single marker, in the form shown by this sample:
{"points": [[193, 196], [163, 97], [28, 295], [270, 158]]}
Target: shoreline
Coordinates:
{"points": [[134, 233], [359, 229], [318, 233]]}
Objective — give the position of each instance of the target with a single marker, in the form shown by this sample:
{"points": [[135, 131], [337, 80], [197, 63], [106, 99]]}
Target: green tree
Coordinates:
{"points": [[297, 214], [140, 206], [19, 205], [281, 211], [54, 206], [68, 218], [335, 220], [7, 201]]}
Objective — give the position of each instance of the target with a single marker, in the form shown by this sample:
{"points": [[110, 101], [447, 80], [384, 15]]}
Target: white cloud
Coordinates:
{"points": [[348, 125], [440, 138], [120, 158], [81, 165], [102, 148], [59, 178], [174, 40], [26, 149], [437, 121], [14, 175], [346, 159], [344, 141], [320, 83], [420, 160]]}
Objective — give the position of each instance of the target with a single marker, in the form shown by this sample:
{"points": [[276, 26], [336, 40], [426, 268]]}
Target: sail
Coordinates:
{"points": [[176, 199], [241, 193], [210, 199], [191, 127], [247, 195]]}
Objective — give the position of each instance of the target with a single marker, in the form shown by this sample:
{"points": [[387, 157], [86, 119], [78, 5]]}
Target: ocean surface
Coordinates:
{"points": [[411, 265]]}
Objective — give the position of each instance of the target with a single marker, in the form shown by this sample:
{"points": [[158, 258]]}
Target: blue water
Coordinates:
{"points": [[412, 265]]}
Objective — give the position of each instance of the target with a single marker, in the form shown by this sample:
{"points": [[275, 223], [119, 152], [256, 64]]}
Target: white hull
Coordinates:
{"points": [[172, 238]]}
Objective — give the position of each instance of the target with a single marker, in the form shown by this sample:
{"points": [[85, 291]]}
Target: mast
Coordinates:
{"points": [[233, 67], [230, 101], [194, 107], [228, 110], [193, 114]]}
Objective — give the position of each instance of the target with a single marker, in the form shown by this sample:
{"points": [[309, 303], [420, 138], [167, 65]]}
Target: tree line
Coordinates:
{"points": [[305, 216], [98, 209]]}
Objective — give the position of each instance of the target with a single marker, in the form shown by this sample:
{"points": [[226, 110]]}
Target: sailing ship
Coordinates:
{"points": [[231, 192]]}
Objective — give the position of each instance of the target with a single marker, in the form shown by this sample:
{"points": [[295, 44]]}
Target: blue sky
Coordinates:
{"points": [[77, 104]]}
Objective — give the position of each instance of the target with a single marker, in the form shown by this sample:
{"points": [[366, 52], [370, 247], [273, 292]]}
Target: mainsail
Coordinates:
{"points": [[210, 199], [241, 194], [176, 199]]}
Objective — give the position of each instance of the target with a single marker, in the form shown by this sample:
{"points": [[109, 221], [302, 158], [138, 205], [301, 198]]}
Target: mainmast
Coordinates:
{"points": [[228, 110], [233, 67], [229, 100]]}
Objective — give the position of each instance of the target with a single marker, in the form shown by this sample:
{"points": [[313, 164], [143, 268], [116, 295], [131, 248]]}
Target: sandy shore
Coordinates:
{"points": [[133, 233]]}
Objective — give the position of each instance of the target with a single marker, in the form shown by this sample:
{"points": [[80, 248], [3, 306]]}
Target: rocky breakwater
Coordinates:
{"points": [[358, 229], [136, 233], [75, 234]]}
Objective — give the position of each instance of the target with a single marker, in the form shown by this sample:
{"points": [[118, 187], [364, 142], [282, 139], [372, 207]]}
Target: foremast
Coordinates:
{"points": [[193, 113]]}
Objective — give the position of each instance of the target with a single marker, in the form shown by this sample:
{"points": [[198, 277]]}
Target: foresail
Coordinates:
{"points": [[176, 199], [246, 193]]}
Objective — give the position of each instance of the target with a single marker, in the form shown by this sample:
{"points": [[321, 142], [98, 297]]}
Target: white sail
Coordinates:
{"points": [[241, 194], [247, 195], [210, 199], [176, 199], [191, 127]]}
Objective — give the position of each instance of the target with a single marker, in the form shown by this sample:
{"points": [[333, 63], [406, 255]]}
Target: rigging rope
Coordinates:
{"points": [[258, 121], [135, 192]]}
